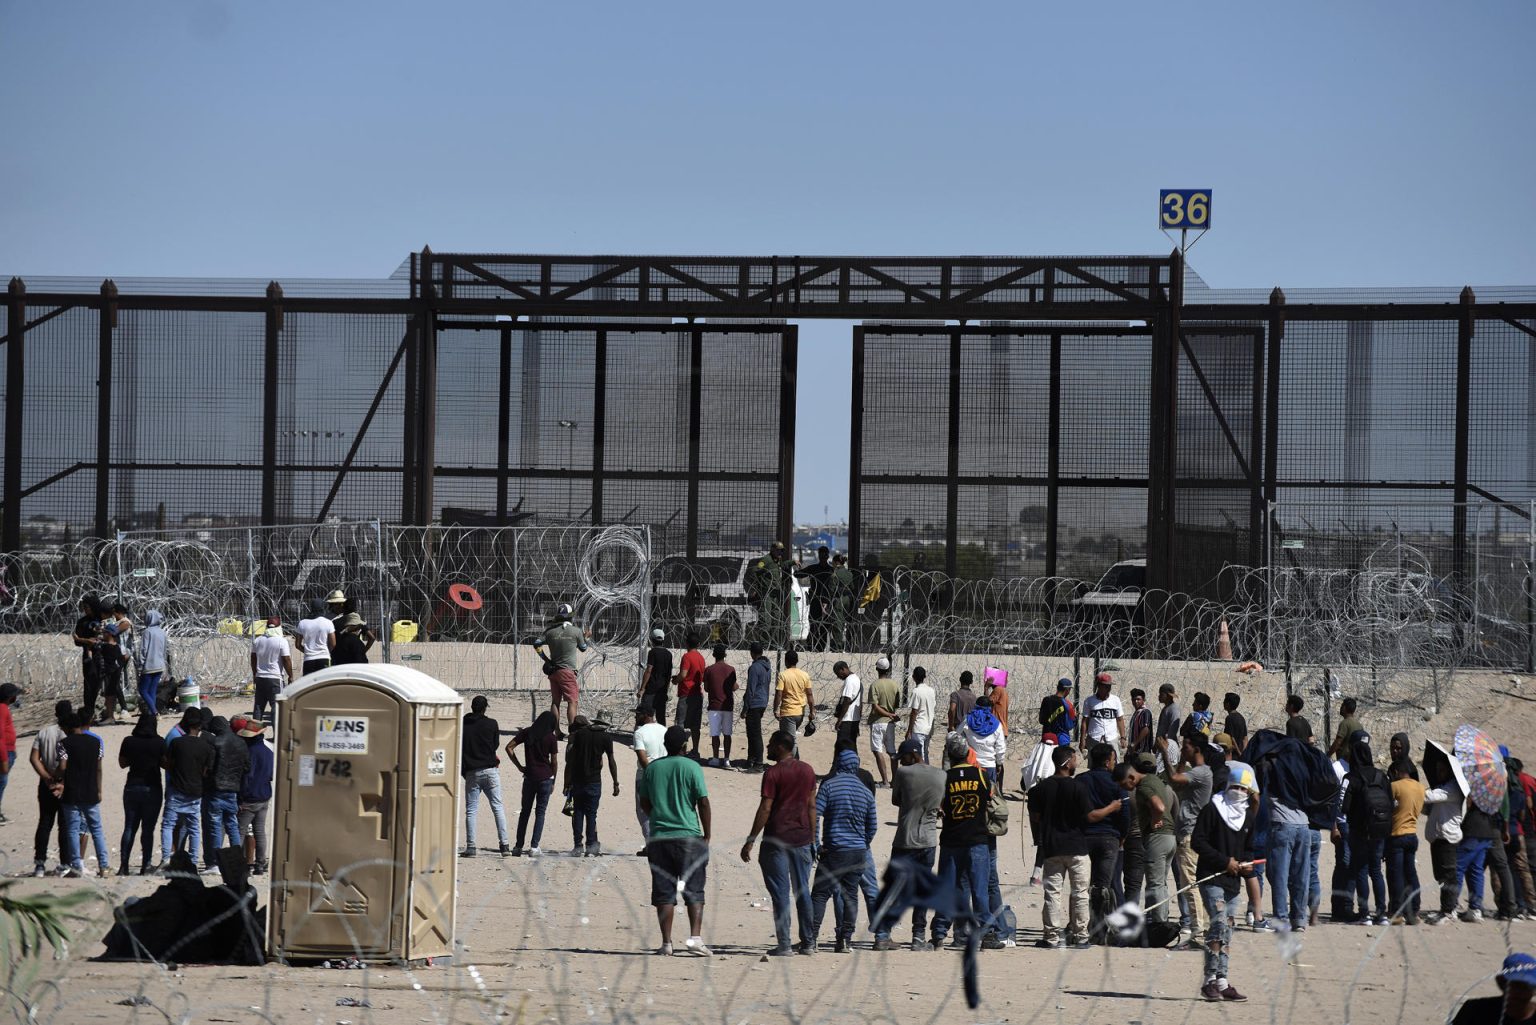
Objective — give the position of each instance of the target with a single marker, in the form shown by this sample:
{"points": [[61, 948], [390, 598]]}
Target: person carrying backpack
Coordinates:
{"points": [[1057, 716], [1368, 811]]}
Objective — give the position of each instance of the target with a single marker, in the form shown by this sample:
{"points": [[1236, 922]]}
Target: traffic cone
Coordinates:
{"points": [[1224, 644]]}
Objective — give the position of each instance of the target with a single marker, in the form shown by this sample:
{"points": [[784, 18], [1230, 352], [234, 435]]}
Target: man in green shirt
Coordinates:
{"points": [[675, 800], [1349, 725], [884, 700], [1155, 808]]}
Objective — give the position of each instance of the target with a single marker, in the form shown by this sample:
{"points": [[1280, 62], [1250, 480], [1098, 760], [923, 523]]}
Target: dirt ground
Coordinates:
{"points": [[566, 940]]}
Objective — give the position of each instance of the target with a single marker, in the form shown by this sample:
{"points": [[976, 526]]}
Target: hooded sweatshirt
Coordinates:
{"points": [[846, 808], [984, 734], [154, 645]]}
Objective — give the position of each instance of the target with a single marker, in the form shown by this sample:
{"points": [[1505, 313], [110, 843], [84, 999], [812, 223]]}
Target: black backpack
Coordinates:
{"points": [[1377, 802]]}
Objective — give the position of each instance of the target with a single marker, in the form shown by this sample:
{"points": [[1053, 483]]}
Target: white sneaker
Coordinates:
{"points": [[696, 947], [533, 852], [1471, 915]]}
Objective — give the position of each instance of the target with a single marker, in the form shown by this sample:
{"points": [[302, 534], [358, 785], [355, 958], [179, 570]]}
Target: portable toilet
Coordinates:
{"points": [[365, 816]]}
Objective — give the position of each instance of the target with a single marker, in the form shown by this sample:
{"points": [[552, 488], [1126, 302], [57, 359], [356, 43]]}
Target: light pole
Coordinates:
{"points": [[570, 434]]}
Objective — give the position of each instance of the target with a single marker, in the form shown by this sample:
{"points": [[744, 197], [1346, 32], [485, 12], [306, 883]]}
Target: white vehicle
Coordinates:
{"points": [[1119, 588], [705, 599]]}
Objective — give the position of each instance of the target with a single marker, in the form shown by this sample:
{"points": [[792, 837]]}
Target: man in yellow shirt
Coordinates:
{"points": [[793, 700]]}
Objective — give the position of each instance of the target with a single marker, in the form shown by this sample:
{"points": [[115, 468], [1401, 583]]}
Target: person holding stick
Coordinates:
{"points": [[1222, 835]]}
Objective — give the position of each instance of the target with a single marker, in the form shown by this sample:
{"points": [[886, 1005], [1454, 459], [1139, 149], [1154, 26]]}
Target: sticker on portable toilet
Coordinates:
{"points": [[306, 770], [437, 762], [341, 734]]}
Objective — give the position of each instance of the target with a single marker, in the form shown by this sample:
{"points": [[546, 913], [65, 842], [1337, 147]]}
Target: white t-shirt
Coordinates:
{"points": [[313, 634], [923, 701], [651, 738], [269, 650], [851, 690], [1100, 717]]}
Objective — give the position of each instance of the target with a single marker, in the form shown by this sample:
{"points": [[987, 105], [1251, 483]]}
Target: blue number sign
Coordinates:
{"points": [[1188, 209]]}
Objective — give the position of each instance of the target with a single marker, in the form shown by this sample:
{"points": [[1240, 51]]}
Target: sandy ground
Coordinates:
{"points": [[564, 939]]}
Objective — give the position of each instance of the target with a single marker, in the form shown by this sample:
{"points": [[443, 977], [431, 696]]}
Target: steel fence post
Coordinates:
{"points": [[517, 534], [385, 602], [1530, 590]]}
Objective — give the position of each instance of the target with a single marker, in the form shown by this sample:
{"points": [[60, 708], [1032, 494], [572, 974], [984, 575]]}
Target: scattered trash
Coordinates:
{"points": [[349, 963], [352, 1002], [138, 1000]]}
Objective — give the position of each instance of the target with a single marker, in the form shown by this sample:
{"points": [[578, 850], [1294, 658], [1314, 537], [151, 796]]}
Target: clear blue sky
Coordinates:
{"points": [[1346, 143]]}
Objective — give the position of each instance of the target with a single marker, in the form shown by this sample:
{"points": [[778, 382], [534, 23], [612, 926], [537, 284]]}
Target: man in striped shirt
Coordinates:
{"points": [[846, 809]]}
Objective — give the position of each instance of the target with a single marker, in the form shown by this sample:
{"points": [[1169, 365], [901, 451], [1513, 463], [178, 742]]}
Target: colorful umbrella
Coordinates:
{"points": [[1486, 776]]}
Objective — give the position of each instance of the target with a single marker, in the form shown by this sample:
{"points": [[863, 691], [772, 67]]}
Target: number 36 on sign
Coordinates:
{"points": [[1184, 209]]}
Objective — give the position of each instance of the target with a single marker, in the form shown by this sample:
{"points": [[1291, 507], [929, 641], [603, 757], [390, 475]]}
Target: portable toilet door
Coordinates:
{"points": [[350, 769]]}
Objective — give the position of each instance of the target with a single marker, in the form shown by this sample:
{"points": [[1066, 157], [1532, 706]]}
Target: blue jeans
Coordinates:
{"points": [[584, 802], [922, 857], [1315, 882], [1365, 857], [10, 763], [1471, 860], [141, 812], [222, 809], [535, 800], [184, 812], [488, 782], [149, 692], [1289, 859], [870, 884], [1403, 874], [78, 817], [964, 870], [838, 876], [787, 875], [1217, 933]]}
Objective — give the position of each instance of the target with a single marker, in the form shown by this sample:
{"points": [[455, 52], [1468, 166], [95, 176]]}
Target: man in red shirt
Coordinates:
{"points": [[8, 695], [720, 690], [690, 694], [786, 816]]}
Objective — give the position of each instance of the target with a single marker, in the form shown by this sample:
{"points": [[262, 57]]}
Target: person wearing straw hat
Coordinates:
{"points": [[353, 643], [1222, 837], [255, 791], [1516, 1002]]}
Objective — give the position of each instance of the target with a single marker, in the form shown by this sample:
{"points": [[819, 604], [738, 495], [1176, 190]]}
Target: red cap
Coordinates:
{"points": [[1103, 678]]}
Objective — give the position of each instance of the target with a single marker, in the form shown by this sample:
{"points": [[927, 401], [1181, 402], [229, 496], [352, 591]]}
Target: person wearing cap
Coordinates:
{"points": [[480, 765], [563, 641], [786, 820], [964, 843], [754, 704], [677, 802], [255, 792], [849, 702], [884, 702], [657, 676], [720, 691], [1103, 715], [1154, 818], [818, 577], [9, 693], [1193, 782], [317, 639], [1516, 1002], [140, 753], [1105, 836], [794, 701], [1222, 839], [1057, 716], [767, 584], [271, 667], [924, 707], [353, 643], [1060, 813], [917, 791]]}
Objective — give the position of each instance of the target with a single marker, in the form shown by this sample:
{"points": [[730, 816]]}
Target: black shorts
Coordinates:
{"points": [[680, 858], [693, 710], [112, 684]]}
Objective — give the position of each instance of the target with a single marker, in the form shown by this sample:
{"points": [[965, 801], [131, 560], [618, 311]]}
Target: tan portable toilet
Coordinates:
{"points": [[365, 816]]}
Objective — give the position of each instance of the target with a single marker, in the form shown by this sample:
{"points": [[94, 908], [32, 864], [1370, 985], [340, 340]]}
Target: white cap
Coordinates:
{"points": [[658, 635], [882, 664]]}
